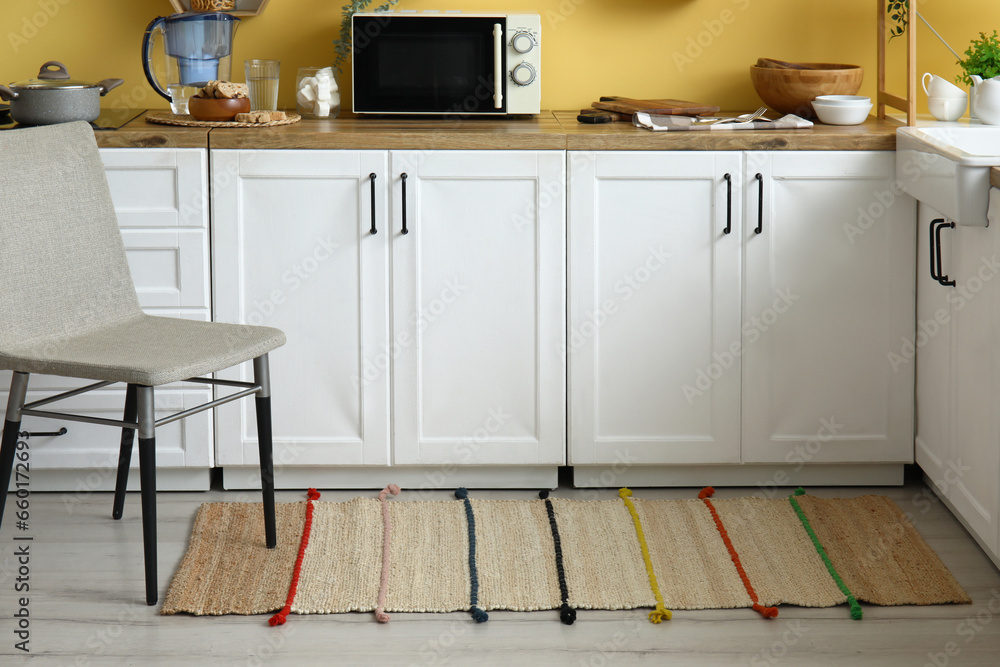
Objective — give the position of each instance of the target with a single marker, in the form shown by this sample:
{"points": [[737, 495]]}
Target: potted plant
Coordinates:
{"points": [[342, 46], [981, 58]]}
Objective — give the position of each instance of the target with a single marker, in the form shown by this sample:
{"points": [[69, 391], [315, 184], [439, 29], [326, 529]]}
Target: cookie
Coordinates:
{"points": [[254, 117], [230, 90]]}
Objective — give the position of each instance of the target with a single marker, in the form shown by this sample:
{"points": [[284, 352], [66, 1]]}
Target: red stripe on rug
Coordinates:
{"points": [[281, 616], [766, 612]]}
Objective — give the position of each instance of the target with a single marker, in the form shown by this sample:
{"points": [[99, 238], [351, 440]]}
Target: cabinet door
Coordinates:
{"points": [[932, 347], [478, 307], [972, 471], [293, 249], [654, 307], [829, 298]]}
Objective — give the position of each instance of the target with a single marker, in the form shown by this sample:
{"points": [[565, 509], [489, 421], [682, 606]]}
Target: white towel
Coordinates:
{"points": [[662, 123]]}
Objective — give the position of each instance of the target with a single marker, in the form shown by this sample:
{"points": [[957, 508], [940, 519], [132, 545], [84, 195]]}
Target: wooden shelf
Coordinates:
{"points": [[884, 97], [243, 7]]}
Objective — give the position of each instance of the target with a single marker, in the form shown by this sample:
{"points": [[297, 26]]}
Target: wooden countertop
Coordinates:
{"points": [[550, 130], [138, 133], [540, 132]]}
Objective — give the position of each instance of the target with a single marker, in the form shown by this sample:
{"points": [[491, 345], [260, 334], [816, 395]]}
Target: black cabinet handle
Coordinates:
{"points": [[936, 271], [729, 203], [45, 434], [371, 177], [404, 230], [760, 204]]}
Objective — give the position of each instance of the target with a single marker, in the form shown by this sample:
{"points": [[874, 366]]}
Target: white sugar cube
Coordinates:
{"points": [[321, 108], [307, 82], [334, 99], [306, 96], [323, 90]]}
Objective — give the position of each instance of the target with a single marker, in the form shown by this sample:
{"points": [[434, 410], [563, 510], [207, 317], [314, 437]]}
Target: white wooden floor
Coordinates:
{"points": [[86, 607]]}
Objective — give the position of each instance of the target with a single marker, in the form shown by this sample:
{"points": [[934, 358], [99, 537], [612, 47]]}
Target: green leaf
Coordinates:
{"points": [[342, 46], [982, 58]]}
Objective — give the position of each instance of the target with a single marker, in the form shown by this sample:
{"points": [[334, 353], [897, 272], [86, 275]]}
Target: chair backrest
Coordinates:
{"points": [[63, 269]]}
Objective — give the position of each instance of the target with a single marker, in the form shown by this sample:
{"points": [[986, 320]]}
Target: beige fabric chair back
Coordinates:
{"points": [[62, 262]]}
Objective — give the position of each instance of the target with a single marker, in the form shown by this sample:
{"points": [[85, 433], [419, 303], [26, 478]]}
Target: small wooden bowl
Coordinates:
{"points": [[792, 90], [217, 110]]}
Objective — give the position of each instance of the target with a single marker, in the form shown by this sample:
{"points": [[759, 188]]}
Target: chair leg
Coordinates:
{"points": [[11, 426], [262, 405], [125, 454], [147, 477]]}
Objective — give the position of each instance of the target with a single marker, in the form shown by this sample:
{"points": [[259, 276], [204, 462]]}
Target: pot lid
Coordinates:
{"points": [[53, 74]]}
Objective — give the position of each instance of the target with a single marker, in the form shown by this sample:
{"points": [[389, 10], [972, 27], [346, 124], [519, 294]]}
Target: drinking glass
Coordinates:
{"points": [[179, 95], [262, 79]]}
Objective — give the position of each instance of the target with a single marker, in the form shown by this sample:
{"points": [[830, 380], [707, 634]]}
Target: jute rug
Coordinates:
{"points": [[694, 554]]}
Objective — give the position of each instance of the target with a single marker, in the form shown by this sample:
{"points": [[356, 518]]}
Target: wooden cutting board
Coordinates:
{"points": [[630, 105]]}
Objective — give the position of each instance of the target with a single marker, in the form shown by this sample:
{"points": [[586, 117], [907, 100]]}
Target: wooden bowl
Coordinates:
{"points": [[217, 110], [792, 90]]}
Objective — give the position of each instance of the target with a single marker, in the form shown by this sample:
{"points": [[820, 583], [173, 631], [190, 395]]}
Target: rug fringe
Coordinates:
{"points": [[766, 612], [383, 586], [660, 613], [566, 613], [282, 616], [478, 615], [856, 612]]}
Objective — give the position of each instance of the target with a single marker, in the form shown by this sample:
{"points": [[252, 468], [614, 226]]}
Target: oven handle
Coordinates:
{"points": [[497, 66]]}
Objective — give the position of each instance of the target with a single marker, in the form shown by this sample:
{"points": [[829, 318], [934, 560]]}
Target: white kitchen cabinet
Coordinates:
{"points": [[655, 291], [829, 293], [293, 249], [161, 201], [768, 348], [958, 372], [476, 305]]}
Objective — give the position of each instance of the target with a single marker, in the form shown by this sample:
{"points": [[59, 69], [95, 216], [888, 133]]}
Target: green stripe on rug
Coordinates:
{"points": [[856, 612]]}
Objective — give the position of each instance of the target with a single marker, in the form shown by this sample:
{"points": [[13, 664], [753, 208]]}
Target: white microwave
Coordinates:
{"points": [[446, 63]]}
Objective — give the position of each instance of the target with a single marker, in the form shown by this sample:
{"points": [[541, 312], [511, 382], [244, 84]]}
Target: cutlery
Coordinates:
{"points": [[741, 119]]}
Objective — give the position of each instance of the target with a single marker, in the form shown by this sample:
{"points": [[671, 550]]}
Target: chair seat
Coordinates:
{"points": [[145, 350]]}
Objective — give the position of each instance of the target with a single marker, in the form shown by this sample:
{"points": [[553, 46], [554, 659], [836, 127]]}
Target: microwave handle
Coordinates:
{"points": [[497, 66]]}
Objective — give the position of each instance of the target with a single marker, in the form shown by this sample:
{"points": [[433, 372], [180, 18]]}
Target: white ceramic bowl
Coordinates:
{"points": [[833, 114], [844, 100]]}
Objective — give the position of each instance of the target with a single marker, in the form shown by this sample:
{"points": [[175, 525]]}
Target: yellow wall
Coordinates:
{"points": [[697, 50]]}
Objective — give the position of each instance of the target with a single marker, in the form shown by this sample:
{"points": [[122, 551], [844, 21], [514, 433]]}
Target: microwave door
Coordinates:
{"points": [[430, 65]]}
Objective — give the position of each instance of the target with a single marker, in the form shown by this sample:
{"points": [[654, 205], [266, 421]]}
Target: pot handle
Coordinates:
{"points": [[107, 85], [59, 72], [6, 94]]}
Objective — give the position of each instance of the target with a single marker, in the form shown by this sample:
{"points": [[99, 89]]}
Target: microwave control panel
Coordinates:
{"points": [[524, 60]]}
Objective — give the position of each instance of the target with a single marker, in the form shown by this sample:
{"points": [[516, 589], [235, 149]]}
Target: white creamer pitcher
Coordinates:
{"points": [[986, 100]]}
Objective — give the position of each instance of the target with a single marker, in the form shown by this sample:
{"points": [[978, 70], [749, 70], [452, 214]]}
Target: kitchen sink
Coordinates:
{"points": [[947, 167]]}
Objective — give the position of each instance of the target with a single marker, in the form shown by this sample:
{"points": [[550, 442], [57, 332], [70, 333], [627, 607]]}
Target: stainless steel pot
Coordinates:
{"points": [[55, 98]]}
